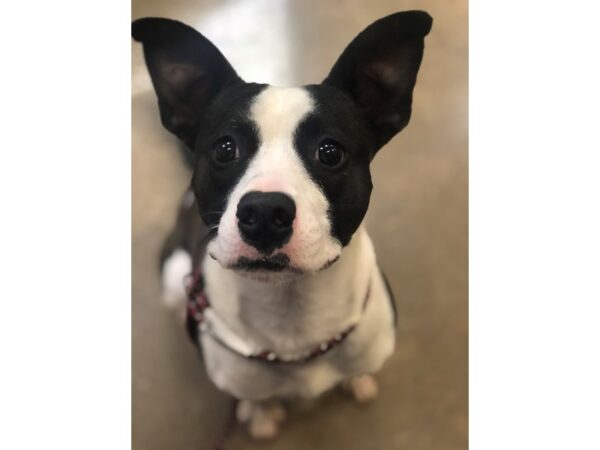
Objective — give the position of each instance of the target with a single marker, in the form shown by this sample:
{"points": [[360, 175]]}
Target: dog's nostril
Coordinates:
{"points": [[281, 218], [247, 215]]}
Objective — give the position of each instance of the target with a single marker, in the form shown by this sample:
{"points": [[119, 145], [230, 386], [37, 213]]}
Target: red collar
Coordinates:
{"points": [[198, 306]]}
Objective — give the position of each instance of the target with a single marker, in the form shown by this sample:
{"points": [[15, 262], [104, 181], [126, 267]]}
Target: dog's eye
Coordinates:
{"points": [[226, 150], [330, 153]]}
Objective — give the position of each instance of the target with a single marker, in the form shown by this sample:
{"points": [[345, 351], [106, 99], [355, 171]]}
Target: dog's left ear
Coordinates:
{"points": [[187, 71], [379, 70]]}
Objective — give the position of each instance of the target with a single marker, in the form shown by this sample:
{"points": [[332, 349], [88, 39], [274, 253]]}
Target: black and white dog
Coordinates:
{"points": [[286, 299]]}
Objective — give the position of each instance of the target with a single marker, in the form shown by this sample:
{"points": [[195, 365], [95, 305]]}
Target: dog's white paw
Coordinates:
{"points": [[262, 427], [363, 388], [263, 418], [243, 412], [278, 412], [175, 268]]}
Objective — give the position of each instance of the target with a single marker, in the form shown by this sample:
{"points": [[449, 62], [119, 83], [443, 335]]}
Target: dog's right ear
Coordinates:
{"points": [[187, 72]]}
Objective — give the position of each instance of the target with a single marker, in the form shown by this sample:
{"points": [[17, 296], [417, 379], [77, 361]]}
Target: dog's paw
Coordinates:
{"points": [[262, 427], [243, 412], [276, 411], [363, 388], [263, 418], [174, 271]]}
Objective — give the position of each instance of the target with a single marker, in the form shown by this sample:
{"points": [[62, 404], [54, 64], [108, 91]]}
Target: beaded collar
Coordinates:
{"points": [[202, 319]]}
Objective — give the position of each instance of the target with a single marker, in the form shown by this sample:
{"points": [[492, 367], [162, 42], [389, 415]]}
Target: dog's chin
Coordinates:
{"points": [[269, 277]]}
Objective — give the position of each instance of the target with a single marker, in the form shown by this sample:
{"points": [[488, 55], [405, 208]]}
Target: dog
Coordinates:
{"points": [[285, 299]]}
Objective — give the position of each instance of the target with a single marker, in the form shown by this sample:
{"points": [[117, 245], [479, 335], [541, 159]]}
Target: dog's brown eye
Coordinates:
{"points": [[226, 150], [330, 153]]}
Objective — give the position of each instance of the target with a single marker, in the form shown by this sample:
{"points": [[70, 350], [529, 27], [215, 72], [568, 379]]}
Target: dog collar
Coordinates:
{"points": [[201, 318]]}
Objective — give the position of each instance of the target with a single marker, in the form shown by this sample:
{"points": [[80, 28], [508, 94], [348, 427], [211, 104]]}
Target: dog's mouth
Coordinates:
{"points": [[280, 262], [277, 263]]}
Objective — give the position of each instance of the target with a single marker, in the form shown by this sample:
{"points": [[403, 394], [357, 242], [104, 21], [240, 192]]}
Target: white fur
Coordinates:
{"points": [[277, 112], [291, 318], [216, 326], [175, 269]]}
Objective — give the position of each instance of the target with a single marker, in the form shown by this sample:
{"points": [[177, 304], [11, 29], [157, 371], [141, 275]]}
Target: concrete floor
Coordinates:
{"points": [[417, 219]]}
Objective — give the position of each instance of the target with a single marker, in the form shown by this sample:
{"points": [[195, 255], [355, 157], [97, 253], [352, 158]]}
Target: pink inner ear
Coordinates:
{"points": [[382, 74], [180, 75], [180, 84]]}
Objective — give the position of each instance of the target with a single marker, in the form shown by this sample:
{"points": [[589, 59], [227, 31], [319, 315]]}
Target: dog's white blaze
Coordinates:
{"points": [[277, 112]]}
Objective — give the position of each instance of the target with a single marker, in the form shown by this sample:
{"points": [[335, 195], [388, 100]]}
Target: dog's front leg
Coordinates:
{"points": [[263, 418]]}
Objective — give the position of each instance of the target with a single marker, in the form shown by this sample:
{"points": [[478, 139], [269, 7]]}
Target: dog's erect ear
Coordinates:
{"points": [[379, 70], [187, 71]]}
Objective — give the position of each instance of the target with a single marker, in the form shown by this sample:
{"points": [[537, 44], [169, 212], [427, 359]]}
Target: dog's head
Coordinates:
{"points": [[282, 174]]}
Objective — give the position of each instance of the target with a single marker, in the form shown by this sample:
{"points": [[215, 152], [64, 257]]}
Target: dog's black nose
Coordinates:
{"points": [[265, 219]]}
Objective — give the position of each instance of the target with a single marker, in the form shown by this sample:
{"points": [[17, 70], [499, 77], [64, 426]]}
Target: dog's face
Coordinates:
{"points": [[282, 174]]}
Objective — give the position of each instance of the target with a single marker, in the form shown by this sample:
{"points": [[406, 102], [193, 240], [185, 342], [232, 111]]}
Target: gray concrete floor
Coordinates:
{"points": [[417, 219]]}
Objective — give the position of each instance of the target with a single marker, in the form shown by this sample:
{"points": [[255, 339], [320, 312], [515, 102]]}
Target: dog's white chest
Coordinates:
{"points": [[325, 306]]}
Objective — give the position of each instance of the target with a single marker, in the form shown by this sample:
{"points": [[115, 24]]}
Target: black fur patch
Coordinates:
{"points": [[226, 116], [348, 188]]}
